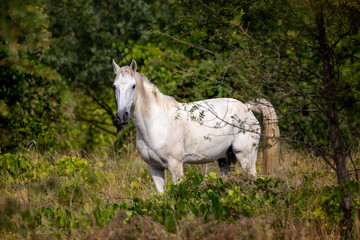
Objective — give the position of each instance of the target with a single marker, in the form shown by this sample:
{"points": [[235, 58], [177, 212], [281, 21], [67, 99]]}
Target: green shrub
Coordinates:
{"points": [[66, 196], [194, 197], [69, 165], [32, 112], [14, 165]]}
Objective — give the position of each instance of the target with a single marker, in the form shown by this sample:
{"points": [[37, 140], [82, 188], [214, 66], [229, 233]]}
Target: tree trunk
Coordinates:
{"points": [[332, 115]]}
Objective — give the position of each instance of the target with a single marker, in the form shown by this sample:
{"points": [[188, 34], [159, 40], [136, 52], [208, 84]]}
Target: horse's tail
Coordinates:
{"points": [[271, 133]]}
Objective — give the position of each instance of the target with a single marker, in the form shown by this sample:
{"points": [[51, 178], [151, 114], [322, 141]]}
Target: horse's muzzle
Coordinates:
{"points": [[123, 117]]}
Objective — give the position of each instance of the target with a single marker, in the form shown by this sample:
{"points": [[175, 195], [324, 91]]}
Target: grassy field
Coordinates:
{"points": [[110, 195]]}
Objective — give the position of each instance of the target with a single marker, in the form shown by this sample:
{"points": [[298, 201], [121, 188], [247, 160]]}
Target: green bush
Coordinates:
{"points": [[241, 196], [68, 196], [14, 164], [32, 112], [197, 197]]}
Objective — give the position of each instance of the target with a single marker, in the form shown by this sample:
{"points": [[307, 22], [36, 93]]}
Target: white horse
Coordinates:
{"points": [[170, 133]]}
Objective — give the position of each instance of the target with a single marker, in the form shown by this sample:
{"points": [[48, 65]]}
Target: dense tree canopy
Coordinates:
{"points": [[31, 109]]}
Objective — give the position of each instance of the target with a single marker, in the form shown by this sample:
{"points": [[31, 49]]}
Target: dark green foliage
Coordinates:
{"points": [[237, 198], [32, 112], [14, 165], [23, 33], [193, 197], [31, 108], [104, 215], [240, 197], [87, 35]]}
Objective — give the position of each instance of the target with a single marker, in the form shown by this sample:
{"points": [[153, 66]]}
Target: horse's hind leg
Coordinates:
{"points": [[245, 148], [224, 166], [247, 160], [227, 164]]}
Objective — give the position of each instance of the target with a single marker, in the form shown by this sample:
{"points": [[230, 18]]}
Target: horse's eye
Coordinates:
{"points": [[133, 87], [113, 86]]}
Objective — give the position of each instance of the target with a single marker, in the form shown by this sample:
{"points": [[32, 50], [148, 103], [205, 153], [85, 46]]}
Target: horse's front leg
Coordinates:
{"points": [[158, 177], [176, 170]]}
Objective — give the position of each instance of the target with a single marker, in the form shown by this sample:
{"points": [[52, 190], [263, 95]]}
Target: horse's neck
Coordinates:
{"points": [[149, 103]]}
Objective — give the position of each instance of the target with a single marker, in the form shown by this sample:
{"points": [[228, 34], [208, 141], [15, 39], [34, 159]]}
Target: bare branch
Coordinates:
{"points": [[188, 43]]}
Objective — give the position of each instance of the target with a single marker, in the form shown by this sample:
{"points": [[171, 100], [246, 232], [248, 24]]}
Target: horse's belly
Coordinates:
{"points": [[201, 159], [206, 150]]}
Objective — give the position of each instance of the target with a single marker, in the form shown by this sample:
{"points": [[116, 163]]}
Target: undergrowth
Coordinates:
{"points": [[110, 196]]}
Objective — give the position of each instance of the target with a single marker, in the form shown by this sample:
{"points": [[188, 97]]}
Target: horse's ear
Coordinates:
{"points": [[115, 66], [133, 65]]}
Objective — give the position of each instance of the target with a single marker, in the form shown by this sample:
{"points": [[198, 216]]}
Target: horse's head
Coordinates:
{"points": [[124, 88]]}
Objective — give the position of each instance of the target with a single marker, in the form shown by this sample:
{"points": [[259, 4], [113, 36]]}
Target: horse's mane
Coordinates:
{"points": [[165, 102]]}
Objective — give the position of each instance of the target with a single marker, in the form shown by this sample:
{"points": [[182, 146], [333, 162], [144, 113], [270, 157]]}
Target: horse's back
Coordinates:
{"points": [[218, 112], [212, 126]]}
